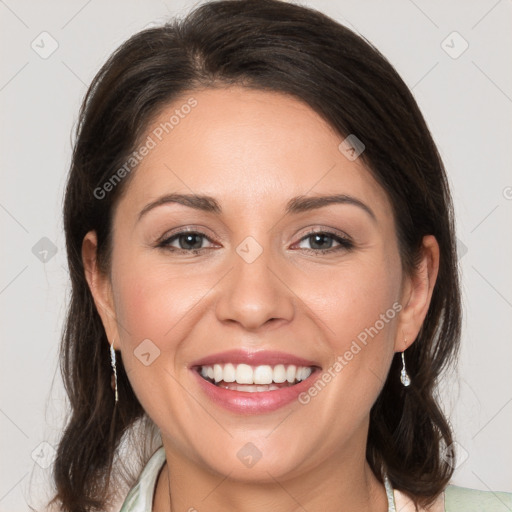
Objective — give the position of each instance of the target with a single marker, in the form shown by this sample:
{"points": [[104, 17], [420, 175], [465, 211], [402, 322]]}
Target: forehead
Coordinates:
{"points": [[246, 147]]}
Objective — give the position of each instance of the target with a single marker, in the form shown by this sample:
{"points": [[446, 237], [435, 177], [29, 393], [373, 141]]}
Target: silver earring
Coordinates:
{"points": [[404, 376], [113, 363]]}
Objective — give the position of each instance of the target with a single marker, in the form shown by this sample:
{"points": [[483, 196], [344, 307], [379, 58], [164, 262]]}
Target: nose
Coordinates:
{"points": [[254, 294]]}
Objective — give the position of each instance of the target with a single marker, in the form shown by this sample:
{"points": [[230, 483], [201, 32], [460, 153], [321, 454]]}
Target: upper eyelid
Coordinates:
{"points": [[328, 231], [185, 230]]}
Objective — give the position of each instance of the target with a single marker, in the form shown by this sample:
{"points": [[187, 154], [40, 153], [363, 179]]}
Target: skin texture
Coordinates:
{"points": [[253, 151]]}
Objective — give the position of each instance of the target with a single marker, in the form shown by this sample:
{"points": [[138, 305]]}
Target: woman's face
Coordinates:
{"points": [[253, 279]]}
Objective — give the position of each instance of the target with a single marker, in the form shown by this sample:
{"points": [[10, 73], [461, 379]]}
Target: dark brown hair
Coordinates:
{"points": [[276, 46]]}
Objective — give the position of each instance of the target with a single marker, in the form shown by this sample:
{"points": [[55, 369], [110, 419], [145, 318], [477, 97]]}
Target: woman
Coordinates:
{"points": [[261, 243]]}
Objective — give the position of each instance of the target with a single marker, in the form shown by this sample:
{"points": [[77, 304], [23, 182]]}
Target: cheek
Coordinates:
{"points": [[152, 296], [161, 303], [145, 307], [153, 307], [358, 310], [359, 299]]}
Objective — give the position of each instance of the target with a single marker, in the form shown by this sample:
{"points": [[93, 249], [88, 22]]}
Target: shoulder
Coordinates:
{"points": [[464, 499], [140, 497], [459, 499]]}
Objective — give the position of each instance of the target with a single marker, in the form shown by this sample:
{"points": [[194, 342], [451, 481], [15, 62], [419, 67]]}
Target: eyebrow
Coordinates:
{"points": [[298, 204]]}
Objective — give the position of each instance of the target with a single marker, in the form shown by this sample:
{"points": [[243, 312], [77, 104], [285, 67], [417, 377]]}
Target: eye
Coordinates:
{"points": [[186, 241], [322, 242]]}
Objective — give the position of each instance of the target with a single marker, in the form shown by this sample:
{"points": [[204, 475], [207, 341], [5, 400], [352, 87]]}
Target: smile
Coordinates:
{"points": [[251, 379], [253, 382]]}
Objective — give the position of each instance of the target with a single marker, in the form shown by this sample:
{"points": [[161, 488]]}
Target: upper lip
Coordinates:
{"points": [[261, 357]]}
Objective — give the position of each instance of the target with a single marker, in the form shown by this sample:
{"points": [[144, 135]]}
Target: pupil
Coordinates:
{"points": [[189, 239], [320, 237]]}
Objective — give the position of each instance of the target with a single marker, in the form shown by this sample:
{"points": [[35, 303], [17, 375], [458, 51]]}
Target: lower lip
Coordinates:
{"points": [[244, 402]]}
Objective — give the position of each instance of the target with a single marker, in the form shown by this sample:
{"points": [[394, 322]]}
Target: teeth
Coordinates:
{"points": [[259, 375], [279, 373], [228, 373], [250, 388], [291, 373], [244, 375], [217, 372], [263, 374], [304, 373]]}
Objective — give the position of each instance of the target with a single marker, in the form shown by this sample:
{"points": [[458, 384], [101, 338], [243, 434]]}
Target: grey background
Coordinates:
{"points": [[467, 102]]}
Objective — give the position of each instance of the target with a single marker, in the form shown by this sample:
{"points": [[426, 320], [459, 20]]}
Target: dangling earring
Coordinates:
{"points": [[404, 376], [113, 363]]}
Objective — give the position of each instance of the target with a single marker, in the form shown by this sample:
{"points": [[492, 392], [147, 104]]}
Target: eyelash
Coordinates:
{"points": [[344, 243]]}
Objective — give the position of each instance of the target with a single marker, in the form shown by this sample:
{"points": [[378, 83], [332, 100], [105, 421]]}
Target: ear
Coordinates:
{"points": [[100, 287], [417, 293]]}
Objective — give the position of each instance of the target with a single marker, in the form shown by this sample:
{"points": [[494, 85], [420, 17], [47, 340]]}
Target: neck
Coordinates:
{"points": [[344, 482]]}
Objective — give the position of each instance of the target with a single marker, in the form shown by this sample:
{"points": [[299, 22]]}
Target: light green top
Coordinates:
{"points": [[456, 499]]}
